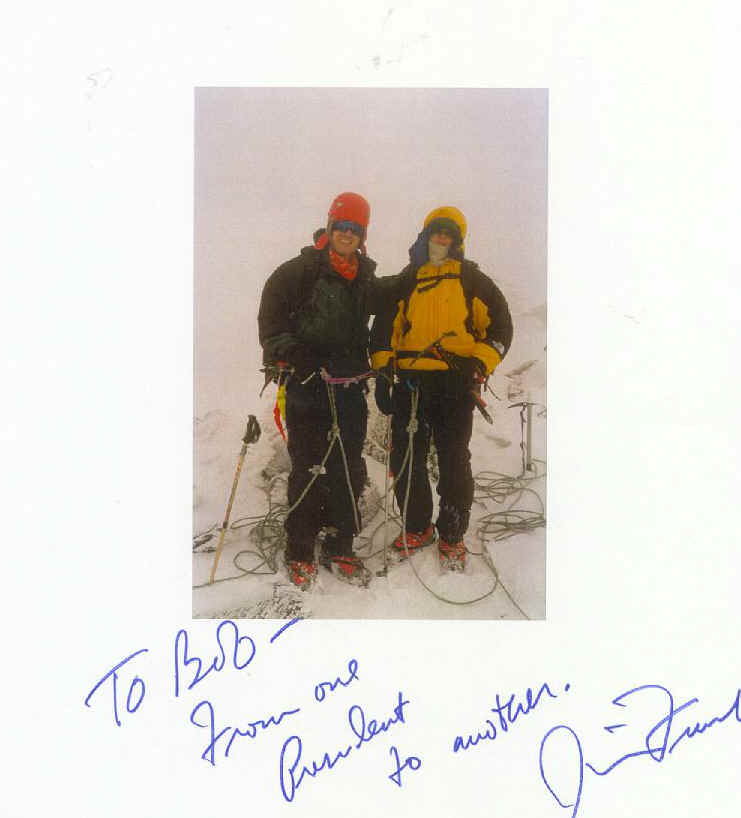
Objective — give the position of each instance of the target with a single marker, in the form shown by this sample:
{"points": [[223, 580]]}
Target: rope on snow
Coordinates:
{"points": [[269, 535]]}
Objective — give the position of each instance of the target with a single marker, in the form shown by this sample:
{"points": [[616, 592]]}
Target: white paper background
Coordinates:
{"points": [[97, 410]]}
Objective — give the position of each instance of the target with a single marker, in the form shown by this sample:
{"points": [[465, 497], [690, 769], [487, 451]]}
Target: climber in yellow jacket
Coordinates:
{"points": [[449, 328]]}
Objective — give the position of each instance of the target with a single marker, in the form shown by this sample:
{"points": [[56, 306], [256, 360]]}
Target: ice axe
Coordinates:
{"points": [[251, 435], [450, 360]]}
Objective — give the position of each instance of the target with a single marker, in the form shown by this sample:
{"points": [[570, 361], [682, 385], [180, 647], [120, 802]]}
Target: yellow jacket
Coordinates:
{"points": [[453, 303]]}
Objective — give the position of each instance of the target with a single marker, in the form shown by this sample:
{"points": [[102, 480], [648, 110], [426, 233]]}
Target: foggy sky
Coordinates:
{"points": [[268, 162]]}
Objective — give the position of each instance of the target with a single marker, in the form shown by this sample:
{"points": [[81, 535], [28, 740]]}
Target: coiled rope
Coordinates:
{"points": [[267, 530]]}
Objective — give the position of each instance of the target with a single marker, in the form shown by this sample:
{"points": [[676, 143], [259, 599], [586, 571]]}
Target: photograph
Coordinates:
{"points": [[370, 293]]}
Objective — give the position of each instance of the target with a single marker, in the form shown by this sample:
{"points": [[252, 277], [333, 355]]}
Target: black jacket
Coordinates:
{"points": [[306, 305]]}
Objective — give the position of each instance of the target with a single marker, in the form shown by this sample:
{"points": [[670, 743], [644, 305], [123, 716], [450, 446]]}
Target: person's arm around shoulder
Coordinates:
{"points": [[389, 295]]}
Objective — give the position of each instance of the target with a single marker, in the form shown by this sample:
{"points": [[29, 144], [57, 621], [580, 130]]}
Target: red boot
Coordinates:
{"points": [[302, 574], [347, 568], [452, 555], [414, 542]]}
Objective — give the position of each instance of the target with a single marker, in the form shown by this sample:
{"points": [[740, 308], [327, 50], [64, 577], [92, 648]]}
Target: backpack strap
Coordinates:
{"points": [[433, 281]]}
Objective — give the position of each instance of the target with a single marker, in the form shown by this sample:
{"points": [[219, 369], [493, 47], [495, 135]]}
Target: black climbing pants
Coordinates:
{"points": [[328, 502], [445, 415]]}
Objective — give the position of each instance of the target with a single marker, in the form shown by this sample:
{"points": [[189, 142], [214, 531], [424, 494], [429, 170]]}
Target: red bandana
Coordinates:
{"points": [[347, 267]]}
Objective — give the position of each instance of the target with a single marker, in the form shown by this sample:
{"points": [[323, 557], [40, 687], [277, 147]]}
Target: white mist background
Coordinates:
{"points": [[269, 161]]}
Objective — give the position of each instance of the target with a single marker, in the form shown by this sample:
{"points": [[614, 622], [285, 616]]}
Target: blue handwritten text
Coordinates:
{"points": [[250, 731], [135, 694], [320, 690], [242, 649], [508, 713]]}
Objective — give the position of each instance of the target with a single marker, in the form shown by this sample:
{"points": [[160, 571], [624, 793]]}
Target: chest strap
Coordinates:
{"points": [[433, 281]]}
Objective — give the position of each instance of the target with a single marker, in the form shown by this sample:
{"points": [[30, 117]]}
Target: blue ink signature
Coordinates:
{"points": [[136, 685], [508, 712], [292, 772], [412, 762], [658, 739], [320, 690], [284, 628], [250, 731], [242, 653]]}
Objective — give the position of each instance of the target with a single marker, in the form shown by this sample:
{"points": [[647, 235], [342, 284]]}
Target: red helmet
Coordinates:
{"points": [[351, 207]]}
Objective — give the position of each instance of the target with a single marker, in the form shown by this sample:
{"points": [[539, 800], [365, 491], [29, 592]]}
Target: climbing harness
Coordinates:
{"points": [[437, 351], [327, 378]]}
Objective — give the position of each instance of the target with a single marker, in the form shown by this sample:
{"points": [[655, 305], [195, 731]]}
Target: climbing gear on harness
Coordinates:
{"points": [[436, 350], [474, 391], [279, 410], [278, 374], [452, 555], [429, 350], [251, 435]]}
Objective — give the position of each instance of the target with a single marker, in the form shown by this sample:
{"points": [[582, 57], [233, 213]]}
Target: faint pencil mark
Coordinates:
{"points": [[403, 48], [98, 80], [625, 314]]}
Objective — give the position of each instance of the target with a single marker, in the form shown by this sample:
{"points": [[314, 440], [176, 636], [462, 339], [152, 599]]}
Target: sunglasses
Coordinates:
{"points": [[354, 227]]}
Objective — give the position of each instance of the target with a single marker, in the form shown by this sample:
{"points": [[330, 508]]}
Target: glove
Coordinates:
{"points": [[382, 394], [303, 361]]}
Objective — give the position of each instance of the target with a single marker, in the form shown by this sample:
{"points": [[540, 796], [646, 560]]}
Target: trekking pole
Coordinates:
{"points": [[251, 435]]}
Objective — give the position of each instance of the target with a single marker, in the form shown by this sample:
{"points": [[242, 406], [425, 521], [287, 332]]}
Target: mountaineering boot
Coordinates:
{"points": [[337, 557], [302, 574], [414, 542], [349, 568], [452, 555]]}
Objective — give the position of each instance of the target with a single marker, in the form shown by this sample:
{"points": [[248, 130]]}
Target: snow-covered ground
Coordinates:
{"points": [[509, 585]]}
